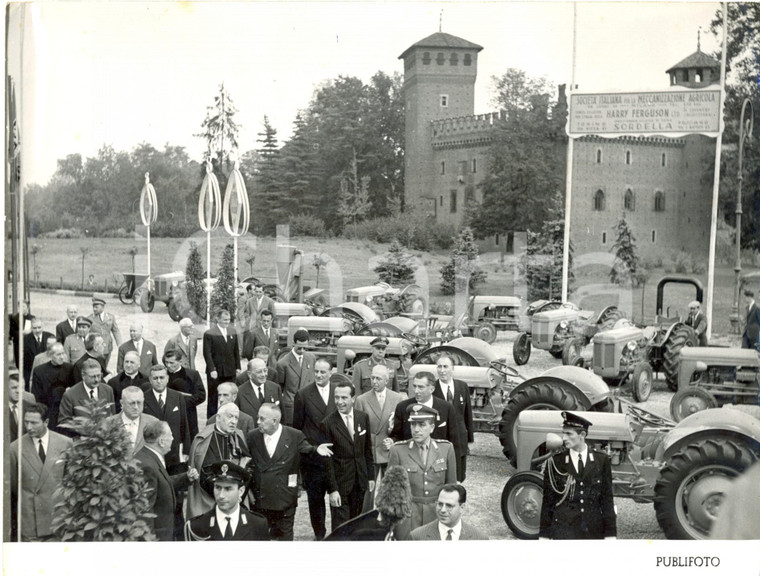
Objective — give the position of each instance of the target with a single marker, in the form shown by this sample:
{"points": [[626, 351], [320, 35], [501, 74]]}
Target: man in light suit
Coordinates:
{"points": [[162, 498], [145, 350], [132, 417], [349, 471], [69, 326], [228, 393], [294, 371], [41, 473], [222, 356], [379, 404], [256, 304], [457, 394], [263, 334], [90, 388], [698, 322], [186, 342], [254, 389], [104, 324], [449, 525], [311, 404]]}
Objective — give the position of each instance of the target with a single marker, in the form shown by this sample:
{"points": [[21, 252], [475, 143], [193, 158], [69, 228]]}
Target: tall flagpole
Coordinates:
{"points": [[569, 175]]}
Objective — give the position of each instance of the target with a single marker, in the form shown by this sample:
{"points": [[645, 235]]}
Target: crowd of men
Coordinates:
{"points": [[273, 427]]}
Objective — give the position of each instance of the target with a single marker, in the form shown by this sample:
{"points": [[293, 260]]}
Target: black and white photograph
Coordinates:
{"points": [[331, 271]]}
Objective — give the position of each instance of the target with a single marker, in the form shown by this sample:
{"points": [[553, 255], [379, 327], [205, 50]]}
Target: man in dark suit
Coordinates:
{"points": [[263, 335], [145, 350], [104, 323], [168, 405], [15, 415], [698, 322], [294, 371], [222, 356], [131, 376], [90, 388], [457, 394], [254, 389], [349, 471], [255, 305], [449, 524], [185, 342], [41, 473], [94, 350], [275, 455], [69, 326], [751, 335], [161, 486], [311, 405], [227, 520], [422, 387], [228, 393], [34, 343], [51, 380], [262, 353], [577, 502], [132, 417], [187, 382]]}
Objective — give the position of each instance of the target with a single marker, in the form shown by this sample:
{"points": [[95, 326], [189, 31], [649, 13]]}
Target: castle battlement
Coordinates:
{"points": [[466, 125]]}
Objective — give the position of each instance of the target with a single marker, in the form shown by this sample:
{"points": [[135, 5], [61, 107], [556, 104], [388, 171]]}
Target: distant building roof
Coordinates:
{"points": [[442, 40], [697, 60]]}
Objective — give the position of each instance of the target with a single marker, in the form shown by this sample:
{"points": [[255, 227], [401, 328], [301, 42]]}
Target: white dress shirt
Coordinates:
{"points": [[444, 530], [44, 440], [94, 390], [345, 421], [380, 396], [131, 426], [574, 457], [271, 440], [221, 520], [324, 391], [445, 387]]}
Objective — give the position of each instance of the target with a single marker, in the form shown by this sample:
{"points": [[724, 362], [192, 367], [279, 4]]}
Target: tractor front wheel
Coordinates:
{"points": [[486, 332], [521, 504], [572, 351], [641, 381], [521, 349], [689, 401]]}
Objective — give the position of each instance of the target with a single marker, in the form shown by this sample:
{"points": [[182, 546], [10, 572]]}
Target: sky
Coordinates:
{"points": [[90, 74]]}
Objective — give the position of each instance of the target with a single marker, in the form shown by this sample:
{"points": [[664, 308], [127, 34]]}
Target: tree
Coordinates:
{"points": [[223, 294], [104, 495], [268, 203], [354, 195], [626, 263], [526, 158], [462, 274], [220, 130], [195, 282], [397, 266]]}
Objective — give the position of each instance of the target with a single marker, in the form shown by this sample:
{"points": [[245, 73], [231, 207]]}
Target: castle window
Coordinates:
{"points": [[469, 195], [440, 59], [598, 155], [654, 236], [474, 165], [599, 201], [698, 77], [628, 200], [604, 238], [663, 160], [444, 100], [467, 59], [659, 201], [426, 57], [628, 157], [454, 59], [440, 200], [443, 167], [461, 170], [453, 202], [496, 240]]}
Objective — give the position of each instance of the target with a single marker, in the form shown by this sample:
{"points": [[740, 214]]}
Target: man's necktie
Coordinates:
{"points": [[41, 451], [449, 395], [14, 411], [228, 529], [160, 401], [266, 333], [350, 424], [138, 346], [423, 454], [261, 395], [580, 465], [92, 394], [449, 532], [270, 448]]}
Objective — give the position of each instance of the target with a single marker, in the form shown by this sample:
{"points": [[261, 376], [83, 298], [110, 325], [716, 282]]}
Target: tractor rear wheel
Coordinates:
{"points": [[540, 395], [609, 318], [521, 349], [521, 504], [671, 355], [147, 301], [689, 401], [174, 313], [692, 485], [486, 332], [641, 381]]}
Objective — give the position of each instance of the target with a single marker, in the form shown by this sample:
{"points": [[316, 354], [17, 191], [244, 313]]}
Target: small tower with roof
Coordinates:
{"points": [[439, 82], [697, 70]]}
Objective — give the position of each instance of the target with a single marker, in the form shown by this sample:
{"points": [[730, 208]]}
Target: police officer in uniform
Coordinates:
{"points": [[577, 502], [228, 520], [104, 323], [429, 463], [363, 369]]}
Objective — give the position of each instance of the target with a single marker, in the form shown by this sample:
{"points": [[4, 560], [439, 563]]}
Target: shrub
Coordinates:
{"points": [[306, 225], [442, 308], [63, 233], [626, 258], [412, 229], [397, 266], [223, 294], [684, 263], [195, 283], [104, 494], [461, 273], [116, 233]]}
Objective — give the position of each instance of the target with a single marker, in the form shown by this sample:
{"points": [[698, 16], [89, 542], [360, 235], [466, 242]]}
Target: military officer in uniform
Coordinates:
{"points": [[577, 502], [429, 463], [228, 520], [74, 343], [363, 369], [104, 324]]}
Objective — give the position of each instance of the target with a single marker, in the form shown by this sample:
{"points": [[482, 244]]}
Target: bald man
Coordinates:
{"points": [[184, 342], [254, 389]]}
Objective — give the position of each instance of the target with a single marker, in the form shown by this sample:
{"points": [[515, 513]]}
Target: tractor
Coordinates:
{"points": [[684, 469], [388, 301], [521, 347], [486, 315], [712, 377]]}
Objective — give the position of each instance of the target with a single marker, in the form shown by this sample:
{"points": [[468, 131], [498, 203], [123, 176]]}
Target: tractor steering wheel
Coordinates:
{"points": [[414, 339], [648, 417], [503, 368]]}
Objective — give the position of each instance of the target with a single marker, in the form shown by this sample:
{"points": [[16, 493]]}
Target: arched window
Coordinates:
{"points": [[629, 201], [599, 200], [598, 155], [659, 201]]}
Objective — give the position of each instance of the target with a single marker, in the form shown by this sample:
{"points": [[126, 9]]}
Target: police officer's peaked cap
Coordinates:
{"points": [[418, 412], [301, 335], [574, 421], [227, 470], [380, 341], [340, 380], [83, 321]]}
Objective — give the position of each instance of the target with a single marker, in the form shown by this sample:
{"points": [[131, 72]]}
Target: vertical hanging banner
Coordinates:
{"points": [[209, 214], [148, 210], [236, 209]]}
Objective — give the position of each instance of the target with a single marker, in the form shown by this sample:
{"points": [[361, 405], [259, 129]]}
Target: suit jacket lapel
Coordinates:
{"points": [[29, 453], [341, 425], [261, 446], [378, 410]]}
